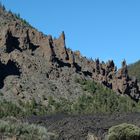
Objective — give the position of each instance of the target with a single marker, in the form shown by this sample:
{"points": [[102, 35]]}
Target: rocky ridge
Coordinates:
{"points": [[34, 65]]}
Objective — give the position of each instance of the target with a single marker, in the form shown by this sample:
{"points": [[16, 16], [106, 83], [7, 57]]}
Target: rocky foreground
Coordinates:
{"points": [[81, 127]]}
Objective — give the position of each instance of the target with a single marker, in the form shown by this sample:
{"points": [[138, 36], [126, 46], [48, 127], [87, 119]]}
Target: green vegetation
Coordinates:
{"points": [[97, 99], [124, 132], [103, 100], [12, 128], [8, 108], [134, 70]]}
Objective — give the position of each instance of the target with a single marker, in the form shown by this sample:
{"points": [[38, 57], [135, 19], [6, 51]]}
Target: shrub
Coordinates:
{"points": [[62, 106], [9, 109], [124, 132], [22, 131]]}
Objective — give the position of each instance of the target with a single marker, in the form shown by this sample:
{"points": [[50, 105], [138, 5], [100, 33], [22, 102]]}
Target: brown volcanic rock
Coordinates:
{"points": [[33, 65]]}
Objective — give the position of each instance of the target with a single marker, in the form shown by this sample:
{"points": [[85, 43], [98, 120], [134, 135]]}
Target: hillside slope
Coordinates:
{"points": [[36, 66], [134, 70]]}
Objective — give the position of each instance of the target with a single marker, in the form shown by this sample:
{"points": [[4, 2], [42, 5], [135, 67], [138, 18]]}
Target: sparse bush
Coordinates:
{"points": [[62, 106], [9, 109], [22, 131], [124, 132]]}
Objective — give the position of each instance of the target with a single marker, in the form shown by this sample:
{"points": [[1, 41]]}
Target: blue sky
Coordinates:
{"points": [[105, 29]]}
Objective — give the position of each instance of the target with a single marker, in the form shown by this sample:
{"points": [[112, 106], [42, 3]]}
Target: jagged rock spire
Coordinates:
{"points": [[124, 69], [62, 40], [63, 35], [124, 63]]}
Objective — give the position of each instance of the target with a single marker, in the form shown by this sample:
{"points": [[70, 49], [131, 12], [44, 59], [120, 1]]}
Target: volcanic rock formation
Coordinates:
{"points": [[34, 65]]}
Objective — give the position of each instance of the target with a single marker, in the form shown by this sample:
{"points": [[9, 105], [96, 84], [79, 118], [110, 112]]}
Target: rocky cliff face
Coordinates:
{"points": [[34, 65]]}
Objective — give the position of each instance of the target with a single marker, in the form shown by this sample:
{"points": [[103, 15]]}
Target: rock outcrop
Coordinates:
{"points": [[34, 65]]}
